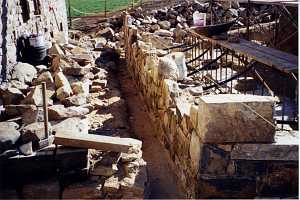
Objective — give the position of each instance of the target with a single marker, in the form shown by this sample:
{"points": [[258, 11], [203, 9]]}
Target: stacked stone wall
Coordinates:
{"points": [[219, 147]]}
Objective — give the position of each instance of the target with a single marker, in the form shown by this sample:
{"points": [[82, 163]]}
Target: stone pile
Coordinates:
{"points": [[76, 77]]}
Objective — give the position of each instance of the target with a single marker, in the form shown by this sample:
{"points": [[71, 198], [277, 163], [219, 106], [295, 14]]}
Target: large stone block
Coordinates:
{"points": [[231, 118]]}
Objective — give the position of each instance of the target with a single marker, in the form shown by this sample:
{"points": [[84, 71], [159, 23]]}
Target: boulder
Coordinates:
{"points": [[35, 97], [80, 87], [24, 72], [59, 112], [163, 33], [63, 92], [17, 110], [74, 125], [236, 118], [44, 77], [75, 100], [34, 132], [8, 135], [100, 43], [26, 149], [12, 96], [167, 68], [165, 25], [107, 33], [61, 80]]}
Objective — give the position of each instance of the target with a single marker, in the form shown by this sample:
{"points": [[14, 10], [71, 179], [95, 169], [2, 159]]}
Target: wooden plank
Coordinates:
{"points": [[99, 142], [268, 56]]}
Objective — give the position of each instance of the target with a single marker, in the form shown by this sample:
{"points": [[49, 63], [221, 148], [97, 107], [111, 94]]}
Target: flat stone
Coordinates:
{"points": [[73, 125], [230, 118], [76, 70], [267, 152], [59, 112], [102, 83], [12, 96], [17, 110], [75, 100], [102, 170]]}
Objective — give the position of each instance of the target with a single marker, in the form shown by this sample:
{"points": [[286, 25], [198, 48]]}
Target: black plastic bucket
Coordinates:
{"points": [[34, 55]]}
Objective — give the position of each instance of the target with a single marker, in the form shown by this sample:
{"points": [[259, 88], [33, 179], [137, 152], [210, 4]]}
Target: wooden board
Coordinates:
{"points": [[99, 142], [272, 57]]}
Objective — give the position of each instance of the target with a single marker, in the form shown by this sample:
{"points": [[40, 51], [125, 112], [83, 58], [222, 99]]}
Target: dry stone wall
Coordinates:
{"points": [[204, 133], [21, 16]]}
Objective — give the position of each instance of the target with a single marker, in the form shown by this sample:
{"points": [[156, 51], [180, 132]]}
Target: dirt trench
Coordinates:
{"points": [[163, 183]]}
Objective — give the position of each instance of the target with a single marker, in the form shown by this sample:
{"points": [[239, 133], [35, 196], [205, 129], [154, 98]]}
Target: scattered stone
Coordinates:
{"points": [[80, 87], [26, 149], [8, 135], [75, 100], [102, 83], [102, 170], [41, 68], [59, 112], [35, 132], [17, 110], [24, 72], [77, 70], [44, 77], [165, 25], [163, 33], [107, 33], [74, 125], [35, 97], [63, 92], [12, 96], [61, 80]]}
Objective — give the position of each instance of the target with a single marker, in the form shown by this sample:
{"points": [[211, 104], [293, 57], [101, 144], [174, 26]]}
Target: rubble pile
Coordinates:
{"points": [[77, 92]]}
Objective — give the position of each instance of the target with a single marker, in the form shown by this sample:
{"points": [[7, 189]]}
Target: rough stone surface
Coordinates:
{"points": [[230, 118], [58, 112], [24, 72], [71, 126]]}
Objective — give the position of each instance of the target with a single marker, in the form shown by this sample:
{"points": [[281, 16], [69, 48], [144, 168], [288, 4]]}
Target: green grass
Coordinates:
{"points": [[90, 7]]}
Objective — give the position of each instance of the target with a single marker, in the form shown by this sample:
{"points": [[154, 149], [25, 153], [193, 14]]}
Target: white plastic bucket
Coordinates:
{"points": [[37, 41]]}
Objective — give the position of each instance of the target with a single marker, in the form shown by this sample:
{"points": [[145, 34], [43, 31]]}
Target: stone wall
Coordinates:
{"points": [[204, 134], [15, 23]]}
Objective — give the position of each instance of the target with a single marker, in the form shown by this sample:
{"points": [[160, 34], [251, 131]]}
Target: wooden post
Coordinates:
{"points": [[248, 20], [70, 17], [105, 9], [45, 108]]}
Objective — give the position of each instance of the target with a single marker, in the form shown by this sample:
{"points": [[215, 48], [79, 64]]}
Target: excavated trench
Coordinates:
{"points": [[163, 183]]}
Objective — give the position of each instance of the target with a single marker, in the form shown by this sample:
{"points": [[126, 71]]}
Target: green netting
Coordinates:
{"points": [[93, 7]]}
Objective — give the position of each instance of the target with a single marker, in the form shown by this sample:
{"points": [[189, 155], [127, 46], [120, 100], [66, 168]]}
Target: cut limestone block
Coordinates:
{"points": [[98, 142], [231, 118]]}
